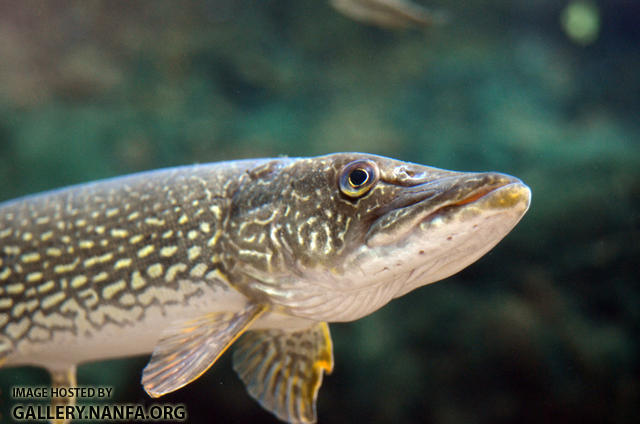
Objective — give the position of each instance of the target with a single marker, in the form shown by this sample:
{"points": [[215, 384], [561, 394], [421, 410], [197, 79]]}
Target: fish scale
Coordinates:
{"points": [[106, 244], [181, 262]]}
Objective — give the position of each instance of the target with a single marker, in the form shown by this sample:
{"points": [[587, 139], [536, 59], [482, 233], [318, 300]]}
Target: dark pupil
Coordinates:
{"points": [[358, 177]]}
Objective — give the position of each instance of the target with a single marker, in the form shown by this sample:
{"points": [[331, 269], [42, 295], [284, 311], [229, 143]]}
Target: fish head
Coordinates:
{"points": [[350, 231]]}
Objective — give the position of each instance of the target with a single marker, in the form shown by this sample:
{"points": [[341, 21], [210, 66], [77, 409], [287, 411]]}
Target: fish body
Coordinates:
{"points": [[181, 262], [392, 14]]}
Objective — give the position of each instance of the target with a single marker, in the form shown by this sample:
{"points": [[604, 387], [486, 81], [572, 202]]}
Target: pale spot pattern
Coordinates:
{"points": [[72, 260]]}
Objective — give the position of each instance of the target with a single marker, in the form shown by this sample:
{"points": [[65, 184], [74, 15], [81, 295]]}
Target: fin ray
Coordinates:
{"points": [[283, 370], [188, 348], [64, 377]]}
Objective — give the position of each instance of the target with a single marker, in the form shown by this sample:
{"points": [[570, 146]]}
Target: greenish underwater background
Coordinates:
{"points": [[543, 329]]}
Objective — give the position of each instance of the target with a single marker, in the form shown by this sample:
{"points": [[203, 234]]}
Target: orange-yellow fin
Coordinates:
{"points": [[283, 370], [188, 348], [64, 377]]}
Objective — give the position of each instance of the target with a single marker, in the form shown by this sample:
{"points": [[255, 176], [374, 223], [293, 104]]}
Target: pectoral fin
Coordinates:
{"points": [[190, 347], [283, 370]]}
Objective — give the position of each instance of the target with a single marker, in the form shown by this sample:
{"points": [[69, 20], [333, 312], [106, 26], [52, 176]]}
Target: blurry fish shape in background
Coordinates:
{"points": [[389, 13], [181, 262]]}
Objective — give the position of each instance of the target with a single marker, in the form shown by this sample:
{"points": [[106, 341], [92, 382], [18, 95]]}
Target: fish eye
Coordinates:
{"points": [[358, 177]]}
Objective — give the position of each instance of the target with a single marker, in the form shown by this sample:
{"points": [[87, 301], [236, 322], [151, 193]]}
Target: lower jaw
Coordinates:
{"points": [[502, 197]]}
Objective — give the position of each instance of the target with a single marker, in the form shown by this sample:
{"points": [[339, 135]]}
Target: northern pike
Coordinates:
{"points": [[181, 262], [392, 14]]}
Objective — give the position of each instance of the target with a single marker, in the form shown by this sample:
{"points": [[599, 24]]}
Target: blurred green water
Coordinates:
{"points": [[543, 329]]}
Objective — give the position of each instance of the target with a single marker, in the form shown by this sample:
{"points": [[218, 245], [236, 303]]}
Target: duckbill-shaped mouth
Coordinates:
{"points": [[445, 197]]}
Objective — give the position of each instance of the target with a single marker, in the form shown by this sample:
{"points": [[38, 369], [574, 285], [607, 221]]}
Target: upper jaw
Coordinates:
{"points": [[424, 201]]}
